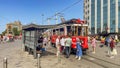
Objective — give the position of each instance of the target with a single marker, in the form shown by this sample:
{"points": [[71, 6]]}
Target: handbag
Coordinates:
{"points": [[101, 46], [114, 52]]}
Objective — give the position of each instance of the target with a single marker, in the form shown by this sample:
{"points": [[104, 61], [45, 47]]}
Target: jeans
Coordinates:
{"points": [[67, 51]]}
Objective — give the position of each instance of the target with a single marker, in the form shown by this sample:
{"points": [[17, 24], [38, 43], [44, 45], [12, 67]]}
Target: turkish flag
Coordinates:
{"points": [[79, 21]]}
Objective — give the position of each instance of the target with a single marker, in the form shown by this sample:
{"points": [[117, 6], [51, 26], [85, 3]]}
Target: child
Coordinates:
{"points": [[79, 49]]}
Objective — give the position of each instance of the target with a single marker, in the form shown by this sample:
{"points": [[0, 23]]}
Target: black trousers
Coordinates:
{"points": [[53, 44]]}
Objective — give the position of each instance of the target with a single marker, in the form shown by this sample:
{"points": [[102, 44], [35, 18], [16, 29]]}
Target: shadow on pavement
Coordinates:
{"points": [[46, 53]]}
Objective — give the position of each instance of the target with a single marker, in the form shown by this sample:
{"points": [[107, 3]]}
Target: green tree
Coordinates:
{"points": [[15, 31]]}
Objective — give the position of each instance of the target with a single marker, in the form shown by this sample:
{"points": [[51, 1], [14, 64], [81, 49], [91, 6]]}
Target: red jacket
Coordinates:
{"points": [[112, 44], [53, 38]]}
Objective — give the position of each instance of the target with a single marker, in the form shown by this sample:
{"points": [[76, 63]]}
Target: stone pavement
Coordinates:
{"points": [[19, 59], [101, 53]]}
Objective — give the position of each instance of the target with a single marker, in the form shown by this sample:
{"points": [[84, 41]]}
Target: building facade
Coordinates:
{"points": [[102, 15], [10, 26]]}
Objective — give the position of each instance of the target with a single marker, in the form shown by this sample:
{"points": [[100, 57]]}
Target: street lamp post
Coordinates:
{"points": [[42, 19], [48, 20]]}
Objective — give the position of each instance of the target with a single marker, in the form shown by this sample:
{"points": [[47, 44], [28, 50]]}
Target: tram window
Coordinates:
{"points": [[69, 30], [57, 32], [76, 30], [79, 30], [84, 31], [53, 31], [61, 31]]}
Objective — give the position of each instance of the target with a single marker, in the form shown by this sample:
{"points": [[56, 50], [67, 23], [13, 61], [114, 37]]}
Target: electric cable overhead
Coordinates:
{"points": [[59, 12], [70, 6]]}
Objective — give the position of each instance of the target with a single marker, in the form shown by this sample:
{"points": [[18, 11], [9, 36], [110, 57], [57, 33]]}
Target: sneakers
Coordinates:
{"points": [[79, 58], [93, 52], [76, 57], [111, 56]]}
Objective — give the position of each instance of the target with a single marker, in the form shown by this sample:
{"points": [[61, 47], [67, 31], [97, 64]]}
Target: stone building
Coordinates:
{"points": [[10, 26]]}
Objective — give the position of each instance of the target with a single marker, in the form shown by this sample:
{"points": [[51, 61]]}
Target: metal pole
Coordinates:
{"points": [[42, 19], [48, 20], [39, 61], [56, 18], [5, 62]]}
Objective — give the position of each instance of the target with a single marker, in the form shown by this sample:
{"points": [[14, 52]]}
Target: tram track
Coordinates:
{"points": [[101, 62], [96, 60]]}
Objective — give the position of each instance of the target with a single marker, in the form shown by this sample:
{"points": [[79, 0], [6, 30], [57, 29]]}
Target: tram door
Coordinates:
{"points": [[75, 30]]}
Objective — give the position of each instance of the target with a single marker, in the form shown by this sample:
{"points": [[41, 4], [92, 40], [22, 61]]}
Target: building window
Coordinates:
{"points": [[88, 11], [88, 17], [119, 8], [113, 22]]}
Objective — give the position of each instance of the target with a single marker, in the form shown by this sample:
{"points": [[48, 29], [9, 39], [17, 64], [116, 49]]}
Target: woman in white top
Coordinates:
{"points": [[58, 46], [62, 42]]}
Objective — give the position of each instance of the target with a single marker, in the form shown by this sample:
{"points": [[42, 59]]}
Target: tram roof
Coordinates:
{"points": [[34, 26], [71, 21]]}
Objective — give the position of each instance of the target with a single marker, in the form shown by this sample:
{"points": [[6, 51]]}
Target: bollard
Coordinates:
{"points": [[39, 61], [5, 62]]}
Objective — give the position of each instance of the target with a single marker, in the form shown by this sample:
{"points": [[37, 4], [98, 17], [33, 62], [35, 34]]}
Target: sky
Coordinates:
{"points": [[37, 11]]}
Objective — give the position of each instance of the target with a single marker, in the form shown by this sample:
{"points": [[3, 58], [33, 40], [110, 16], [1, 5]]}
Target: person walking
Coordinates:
{"points": [[112, 48], [68, 42], [45, 41], [58, 46], [62, 42], [107, 40], [93, 44], [108, 45], [79, 48], [40, 40]]}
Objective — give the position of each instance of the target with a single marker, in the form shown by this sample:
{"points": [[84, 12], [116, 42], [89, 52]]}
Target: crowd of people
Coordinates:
{"points": [[4, 39], [110, 43], [63, 45]]}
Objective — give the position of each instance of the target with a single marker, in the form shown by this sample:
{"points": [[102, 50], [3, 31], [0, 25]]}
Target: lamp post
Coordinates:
{"points": [[42, 19], [48, 20]]}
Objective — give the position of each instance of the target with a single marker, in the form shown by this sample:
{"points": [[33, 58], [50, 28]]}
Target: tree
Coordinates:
{"points": [[4, 32], [20, 32], [15, 31]]}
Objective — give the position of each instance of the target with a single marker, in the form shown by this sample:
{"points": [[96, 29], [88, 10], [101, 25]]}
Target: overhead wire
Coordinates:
{"points": [[64, 9]]}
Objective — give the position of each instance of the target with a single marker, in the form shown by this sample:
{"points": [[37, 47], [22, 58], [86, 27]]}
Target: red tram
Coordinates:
{"points": [[75, 28]]}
